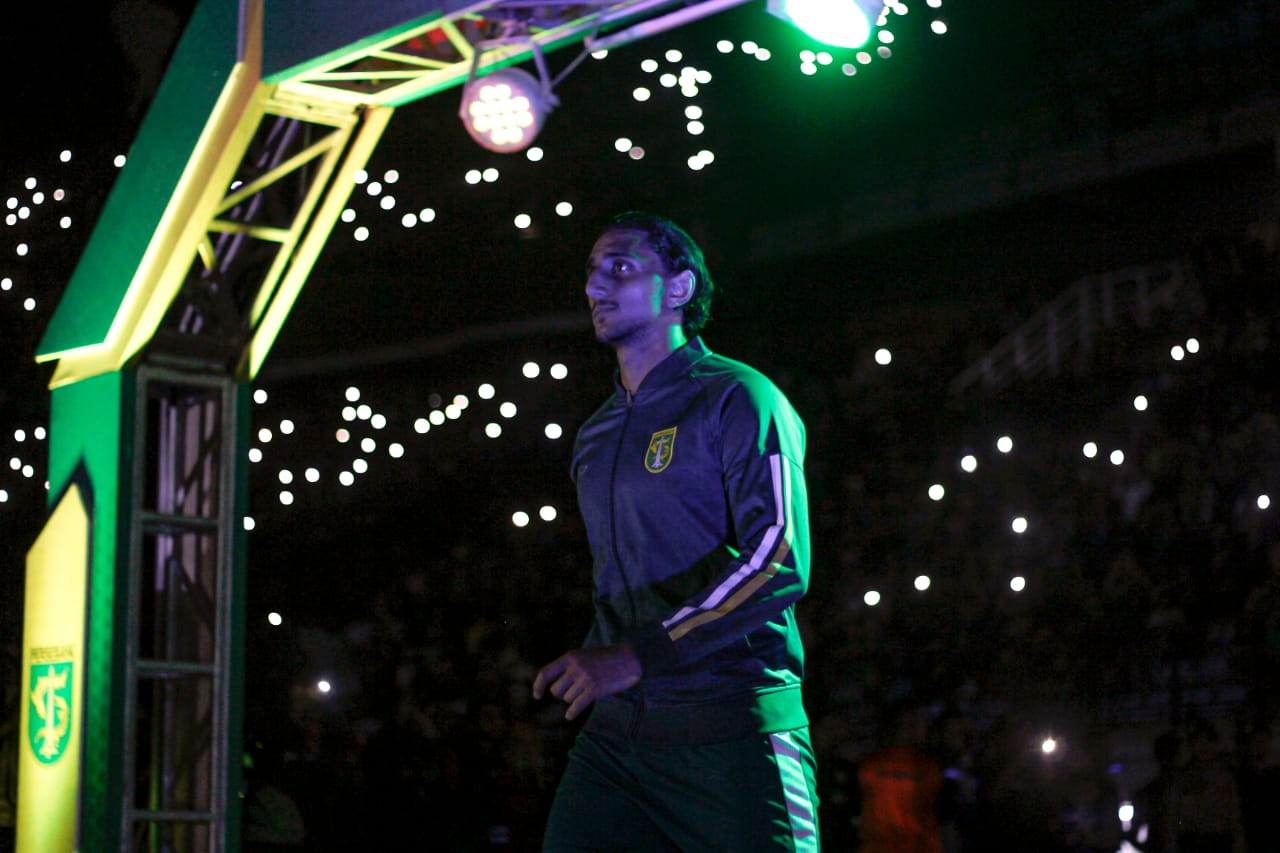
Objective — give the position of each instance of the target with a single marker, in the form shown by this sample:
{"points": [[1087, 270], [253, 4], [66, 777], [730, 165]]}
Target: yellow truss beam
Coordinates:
{"points": [[307, 249]]}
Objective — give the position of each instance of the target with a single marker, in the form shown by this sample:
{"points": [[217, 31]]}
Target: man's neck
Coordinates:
{"points": [[635, 360]]}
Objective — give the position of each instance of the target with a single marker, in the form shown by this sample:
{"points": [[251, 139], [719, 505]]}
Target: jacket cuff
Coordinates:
{"points": [[653, 648]]}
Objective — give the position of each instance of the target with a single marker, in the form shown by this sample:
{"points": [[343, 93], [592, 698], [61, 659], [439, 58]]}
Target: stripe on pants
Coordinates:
{"points": [[801, 808]]}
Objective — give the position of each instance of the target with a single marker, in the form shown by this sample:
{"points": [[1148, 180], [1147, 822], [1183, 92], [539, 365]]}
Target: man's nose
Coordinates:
{"points": [[596, 287]]}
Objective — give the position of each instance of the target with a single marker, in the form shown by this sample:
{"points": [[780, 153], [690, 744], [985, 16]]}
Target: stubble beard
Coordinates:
{"points": [[620, 336]]}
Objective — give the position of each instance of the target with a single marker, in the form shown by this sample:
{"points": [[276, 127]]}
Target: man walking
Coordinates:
{"points": [[690, 481]]}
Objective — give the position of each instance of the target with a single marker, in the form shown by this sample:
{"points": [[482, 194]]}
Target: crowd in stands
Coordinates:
{"points": [[1148, 630], [1151, 613]]}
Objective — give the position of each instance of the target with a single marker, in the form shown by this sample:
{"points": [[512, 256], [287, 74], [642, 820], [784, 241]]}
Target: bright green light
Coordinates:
{"points": [[840, 23]]}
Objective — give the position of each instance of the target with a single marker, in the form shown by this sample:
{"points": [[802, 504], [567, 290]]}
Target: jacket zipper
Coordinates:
{"points": [[613, 510]]}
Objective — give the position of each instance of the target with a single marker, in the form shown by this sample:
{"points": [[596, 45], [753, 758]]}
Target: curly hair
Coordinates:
{"points": [[678, 252]]}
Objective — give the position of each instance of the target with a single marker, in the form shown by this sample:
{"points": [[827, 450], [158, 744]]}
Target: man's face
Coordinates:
{"points": [[626, 285]]}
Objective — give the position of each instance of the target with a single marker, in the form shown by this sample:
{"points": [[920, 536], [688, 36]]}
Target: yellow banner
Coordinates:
{"points": [[53, 680]]}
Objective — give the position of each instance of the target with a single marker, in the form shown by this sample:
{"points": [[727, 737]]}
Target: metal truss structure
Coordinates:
{"points": [[179, 637], [287, 189], [438, 54]]}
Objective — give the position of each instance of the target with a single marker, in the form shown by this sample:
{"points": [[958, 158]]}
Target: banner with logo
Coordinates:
{"points": [[53, 680]]}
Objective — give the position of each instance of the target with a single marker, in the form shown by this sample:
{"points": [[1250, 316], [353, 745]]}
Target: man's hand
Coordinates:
{"points": [[582, 676]]}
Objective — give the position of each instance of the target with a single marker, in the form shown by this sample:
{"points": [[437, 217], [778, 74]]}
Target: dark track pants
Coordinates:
{"points": [[739, 796]]}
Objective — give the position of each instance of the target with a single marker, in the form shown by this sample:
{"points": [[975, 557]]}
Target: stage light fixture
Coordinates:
{"points": [[504, 110], [839, 23]]}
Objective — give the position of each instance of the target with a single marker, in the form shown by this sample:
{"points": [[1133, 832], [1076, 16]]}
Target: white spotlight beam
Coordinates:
{"points": [[840, 23]]}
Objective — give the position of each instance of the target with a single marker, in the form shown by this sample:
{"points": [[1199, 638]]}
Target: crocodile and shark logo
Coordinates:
{"points": [[49, 719], [662, 447]]}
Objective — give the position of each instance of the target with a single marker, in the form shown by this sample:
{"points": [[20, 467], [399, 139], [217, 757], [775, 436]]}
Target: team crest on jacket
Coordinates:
{"points": [[662, 446]]}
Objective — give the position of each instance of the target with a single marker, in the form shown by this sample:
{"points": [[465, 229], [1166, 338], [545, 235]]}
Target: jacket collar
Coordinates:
{"points": [[664, 372]]}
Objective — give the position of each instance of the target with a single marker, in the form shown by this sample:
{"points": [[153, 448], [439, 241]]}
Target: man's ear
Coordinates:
{"points": [[680, 288]]}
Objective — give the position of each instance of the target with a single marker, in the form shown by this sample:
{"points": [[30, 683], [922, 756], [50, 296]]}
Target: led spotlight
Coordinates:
{"points": [[505, 109], [839, 23]]}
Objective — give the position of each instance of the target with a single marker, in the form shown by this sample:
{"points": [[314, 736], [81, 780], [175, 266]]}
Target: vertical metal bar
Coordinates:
{"points": [[133, 617], [170, 484], [225, 595]]}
